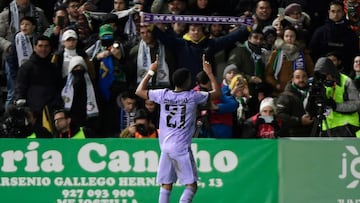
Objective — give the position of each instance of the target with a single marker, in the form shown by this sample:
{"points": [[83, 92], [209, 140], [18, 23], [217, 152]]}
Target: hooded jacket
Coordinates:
{"points": [[351, 100]]}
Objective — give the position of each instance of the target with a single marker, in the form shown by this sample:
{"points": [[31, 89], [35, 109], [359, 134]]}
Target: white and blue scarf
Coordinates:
{"points": [[144, 61], [24, 47], [15, 19], [68, 95]]}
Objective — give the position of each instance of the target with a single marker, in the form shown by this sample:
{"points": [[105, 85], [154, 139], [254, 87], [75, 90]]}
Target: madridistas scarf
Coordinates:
{"points": [[24, 47], [144, 61]]}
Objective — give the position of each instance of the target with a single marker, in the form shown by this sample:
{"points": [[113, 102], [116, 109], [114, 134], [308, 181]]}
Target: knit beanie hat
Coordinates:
{"points": [[229, 68], [268, 30], [268, 101], [292, 8], [106, 29]]}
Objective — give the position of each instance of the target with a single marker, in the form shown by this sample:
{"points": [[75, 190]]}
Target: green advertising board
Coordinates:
{"points": [[319, 170], [124, 171]]}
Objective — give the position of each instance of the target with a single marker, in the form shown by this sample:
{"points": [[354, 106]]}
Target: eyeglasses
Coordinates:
{"points": [[58, 119]]}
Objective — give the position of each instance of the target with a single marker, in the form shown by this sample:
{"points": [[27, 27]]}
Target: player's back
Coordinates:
{"points": [[177, 117]]}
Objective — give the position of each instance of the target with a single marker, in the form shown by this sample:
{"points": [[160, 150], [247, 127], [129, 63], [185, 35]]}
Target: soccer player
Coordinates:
{"points": [[177, 125]]}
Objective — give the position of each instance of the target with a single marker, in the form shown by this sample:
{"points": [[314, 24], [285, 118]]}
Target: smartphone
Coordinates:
{"points": [[281, 11], [61, 21]]}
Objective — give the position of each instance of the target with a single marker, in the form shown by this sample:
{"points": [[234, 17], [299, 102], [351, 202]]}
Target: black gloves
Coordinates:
{"points": [[259, 121], [331, 103]]}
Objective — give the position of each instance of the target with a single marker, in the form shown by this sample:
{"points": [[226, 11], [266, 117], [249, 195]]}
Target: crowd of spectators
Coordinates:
{"points": [[77, 63]]}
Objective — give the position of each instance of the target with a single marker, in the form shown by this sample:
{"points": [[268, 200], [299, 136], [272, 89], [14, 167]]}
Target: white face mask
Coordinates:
{"points": [[267, 119]]}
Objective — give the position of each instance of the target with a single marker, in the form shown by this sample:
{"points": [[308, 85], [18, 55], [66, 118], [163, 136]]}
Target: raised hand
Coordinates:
{"points": [[206, 66], [154, 65]]}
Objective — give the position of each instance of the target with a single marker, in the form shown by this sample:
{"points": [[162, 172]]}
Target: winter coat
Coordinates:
{"points": [[39, 82], [335, 37], [287, 68], [290, 108], [256, 127]]}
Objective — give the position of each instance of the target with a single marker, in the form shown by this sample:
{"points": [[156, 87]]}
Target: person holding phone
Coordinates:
{"points": [[56, 30]]}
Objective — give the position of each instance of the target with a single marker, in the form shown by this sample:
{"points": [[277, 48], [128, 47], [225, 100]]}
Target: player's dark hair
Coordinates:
{"points": [[180, 76]]}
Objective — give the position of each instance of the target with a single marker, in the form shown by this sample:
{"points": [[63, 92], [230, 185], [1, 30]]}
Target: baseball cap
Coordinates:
{"points": [[106, 29], [69, 34]]}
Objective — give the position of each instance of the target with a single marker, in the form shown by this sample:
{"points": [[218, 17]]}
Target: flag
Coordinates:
{"points": [[106, 76]]}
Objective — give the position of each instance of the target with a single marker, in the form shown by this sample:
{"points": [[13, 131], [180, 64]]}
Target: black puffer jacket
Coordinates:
{"points": [[290, 109], [335, 37], [40, 83]]}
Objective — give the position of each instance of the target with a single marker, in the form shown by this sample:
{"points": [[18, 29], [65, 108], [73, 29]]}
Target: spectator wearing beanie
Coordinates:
{"points": [[265, 124], [269, 37], [299, 20], [229, 72]]}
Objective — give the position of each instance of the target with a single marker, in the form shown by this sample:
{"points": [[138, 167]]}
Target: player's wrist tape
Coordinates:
{"points": [[151, 73]]}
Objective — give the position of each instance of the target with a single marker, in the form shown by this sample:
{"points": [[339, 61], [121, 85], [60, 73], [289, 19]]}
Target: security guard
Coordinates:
{"points": [[66, 129]]}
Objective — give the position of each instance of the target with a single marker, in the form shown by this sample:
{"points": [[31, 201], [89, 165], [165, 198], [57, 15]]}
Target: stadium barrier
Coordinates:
{"points": [[317, 170]]}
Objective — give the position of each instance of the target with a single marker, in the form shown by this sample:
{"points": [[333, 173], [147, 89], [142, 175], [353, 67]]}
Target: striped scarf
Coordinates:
{"points": [[144, 61], [15, 19], [297, 63], [24, 47]]}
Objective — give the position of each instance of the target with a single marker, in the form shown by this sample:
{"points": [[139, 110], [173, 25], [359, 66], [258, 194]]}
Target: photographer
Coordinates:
{"points": [[19, 122], [340, 103], [142, 128]]}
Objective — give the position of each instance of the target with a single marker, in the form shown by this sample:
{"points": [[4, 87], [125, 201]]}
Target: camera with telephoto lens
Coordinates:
{"points": [[15, 123], [317, 100], [141, 128]]}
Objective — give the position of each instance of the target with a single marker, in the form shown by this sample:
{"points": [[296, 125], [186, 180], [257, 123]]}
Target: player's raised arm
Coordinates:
{"points": [[142, 90], [215, 93]]}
